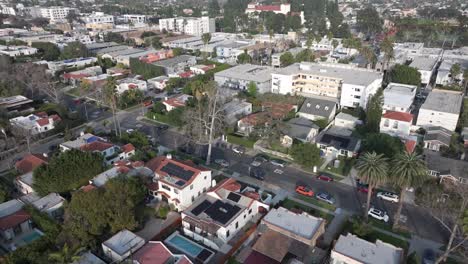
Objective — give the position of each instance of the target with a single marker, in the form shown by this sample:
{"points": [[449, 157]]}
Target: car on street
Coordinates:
{"points": [[325, 177], [326, 197], [304, 190], [278, 162], [257, 173], [130, 130], [238, 150], [388, 196], [259, 160], [362, 187], [429, 256], [222, 163], [378, 214]]}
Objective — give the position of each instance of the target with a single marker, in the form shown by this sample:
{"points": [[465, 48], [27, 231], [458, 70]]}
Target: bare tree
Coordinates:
{"points": [[204, 121], [447, 202]]}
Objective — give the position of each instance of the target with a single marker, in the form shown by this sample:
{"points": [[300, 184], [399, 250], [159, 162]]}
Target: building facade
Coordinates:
{"points": [[196, 26]]}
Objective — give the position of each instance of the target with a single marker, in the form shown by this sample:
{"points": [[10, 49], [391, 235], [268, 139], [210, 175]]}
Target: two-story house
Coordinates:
{"points": [[396, 123], [179, 182], [220, 214]]}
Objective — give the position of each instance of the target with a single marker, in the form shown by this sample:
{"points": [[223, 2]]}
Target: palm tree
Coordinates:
{"points": [[206, 37], [387, 47], [110, 98], [369, 54], [65, 256], [372, 169], [409, 170]]}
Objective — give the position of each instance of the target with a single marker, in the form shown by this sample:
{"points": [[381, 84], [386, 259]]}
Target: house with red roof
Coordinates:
{"points": [[155, 252], [396, 123], [277, 9], [176, 101], [25, 166], [219, 215], [35, 123], [180, 183], [202, 69]]}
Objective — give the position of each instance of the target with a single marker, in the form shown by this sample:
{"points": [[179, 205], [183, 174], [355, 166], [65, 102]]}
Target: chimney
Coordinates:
{"points": [[168, 156]]}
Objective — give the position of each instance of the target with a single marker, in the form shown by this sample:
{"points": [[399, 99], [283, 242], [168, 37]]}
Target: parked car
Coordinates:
{"points": [[258, 160], [325, 177], [222, 162], [238, 150], [278, 162], [326, 197], [257, 173], [362, 187], [429, 256], [388, 196], [130, 130], [378, 214], [304, 190]]}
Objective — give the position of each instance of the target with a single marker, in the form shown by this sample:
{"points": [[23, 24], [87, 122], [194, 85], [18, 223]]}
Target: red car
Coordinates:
{"points": [[324, 177], [304, 191], [363, 189]]}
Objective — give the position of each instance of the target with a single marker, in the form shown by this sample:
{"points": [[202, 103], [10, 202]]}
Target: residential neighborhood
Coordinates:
{"points": [[208, 131]]}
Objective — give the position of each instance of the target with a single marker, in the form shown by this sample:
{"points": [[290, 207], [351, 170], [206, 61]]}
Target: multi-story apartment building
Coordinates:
{"points": [[196, 26], [53, 13], [399, 97], [135, 19], [220, 214], [240, 76], [179, 183], [441, 108], [351, 85], [99, 20]]}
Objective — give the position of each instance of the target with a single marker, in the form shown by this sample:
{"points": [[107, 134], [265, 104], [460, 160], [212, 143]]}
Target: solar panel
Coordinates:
{"points": [[222, 212], [180, 183], [234, 197], [200, 208], [177, 171]]}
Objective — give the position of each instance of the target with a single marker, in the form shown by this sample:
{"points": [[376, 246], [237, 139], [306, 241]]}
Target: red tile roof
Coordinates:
{"points": [[30, 162], [43, 121], [56, 118], [252, 195], [400, 116], [186, 74], [174, 102], [154, 252], [128, 148], [96, 146], [88, 188], [156, 164], [152, 186], [256, 119], [41, 114], [267, 8], [410, 145], [14, 219]]}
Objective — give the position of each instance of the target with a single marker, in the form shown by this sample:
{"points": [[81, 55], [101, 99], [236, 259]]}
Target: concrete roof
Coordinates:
{"points": [[43, 203], [318, 106], [174, 61], [124, 241], [300, 127], [444, 101], [10, 207], [303, 225], [366, 252], [89, 258], [347, 117], [348, 74], [400, 95], [423, 63], [248, 72]]}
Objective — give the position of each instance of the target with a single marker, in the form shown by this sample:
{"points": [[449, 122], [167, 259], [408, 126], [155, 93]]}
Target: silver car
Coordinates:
{"points": [[222, 163], [326, 197]]}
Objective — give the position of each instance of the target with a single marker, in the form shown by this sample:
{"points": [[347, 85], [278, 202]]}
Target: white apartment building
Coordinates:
{"points": [[135, 19], [129, 84], [351, 85], [7, 10], [444, 77], [426, 66], [441, 108], [220, 214], [196, 26], [240, 76], [15, 51], [179, 182], [399, 97], [396, 123], [71, 63], [351, 249], [53, 13], [99, 20]]}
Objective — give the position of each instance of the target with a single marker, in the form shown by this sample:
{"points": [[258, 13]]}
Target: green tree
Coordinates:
{"points": [[372, 169], [67, 171], [213, 8], [110, 98], [252, 89], [159, 108], [409, 170], [146, 34], [4, 194], [368, 53], [369, 21], [130, 97], [244, 58], [105, 63], [48, 51], [114, 37], [382, 144], [405, 74], [306, 154], [206, 37], [305, 55], [146, 70], [136, 138], [374, 112], [156, 43], [387, 48], [455, 70], [65, 255], [286, 59], [74, 50]]}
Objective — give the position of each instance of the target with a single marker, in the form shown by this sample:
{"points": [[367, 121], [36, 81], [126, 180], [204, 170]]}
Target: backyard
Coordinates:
{"points": [[291, 205]]}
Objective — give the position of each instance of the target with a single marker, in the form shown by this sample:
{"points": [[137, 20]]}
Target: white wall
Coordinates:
{"points": [[282, 84], [395, 127], [435, 118]]}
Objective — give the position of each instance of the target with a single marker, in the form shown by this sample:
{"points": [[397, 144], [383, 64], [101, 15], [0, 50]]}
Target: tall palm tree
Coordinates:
{"points": [[65, 256], [206, 37], [409, 170], [372, 169], [110, 98]]}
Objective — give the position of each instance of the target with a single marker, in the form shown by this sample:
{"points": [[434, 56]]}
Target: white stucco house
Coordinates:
{"points": [[122, 245], [129, 84], [396, 123], [399, 97]]}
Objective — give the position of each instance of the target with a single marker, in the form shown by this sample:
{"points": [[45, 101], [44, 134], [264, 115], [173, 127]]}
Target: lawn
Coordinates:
{"points": [[290, 204], [343, 168], [316, 202], [243, 141], [388, 227]]}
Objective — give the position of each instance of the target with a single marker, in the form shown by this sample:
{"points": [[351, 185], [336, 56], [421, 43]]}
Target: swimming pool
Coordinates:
{"points": [[36, 234], [188, 247]]}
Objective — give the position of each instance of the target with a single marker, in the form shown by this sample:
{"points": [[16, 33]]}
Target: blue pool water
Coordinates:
{"points": [[185, 245], [31, 237]]}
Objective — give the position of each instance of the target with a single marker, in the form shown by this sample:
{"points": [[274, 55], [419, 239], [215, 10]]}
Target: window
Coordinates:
{"points": [[395, 125], [245, 216], [204, 177], [227, 233], [191, 187], [357, 97], [193, 198], [237, 225], [176, 191], [250, 211], [386, 123], [165, 187], [199, 193]]}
